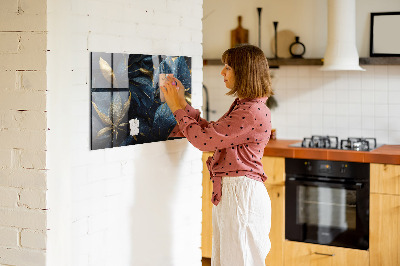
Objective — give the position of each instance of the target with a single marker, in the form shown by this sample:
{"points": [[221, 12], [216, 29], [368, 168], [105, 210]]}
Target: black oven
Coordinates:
{"points": [[327, 202]]}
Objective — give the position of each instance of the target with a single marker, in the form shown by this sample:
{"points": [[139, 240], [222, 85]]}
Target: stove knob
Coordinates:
{"points": [[343, 168], [308, 166]]}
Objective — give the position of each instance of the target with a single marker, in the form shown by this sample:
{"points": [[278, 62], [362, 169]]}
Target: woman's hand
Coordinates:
{"points": [[181, 91], [174, 94]]}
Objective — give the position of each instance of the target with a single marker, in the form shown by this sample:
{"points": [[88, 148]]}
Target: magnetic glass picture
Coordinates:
{"points": [[127, 106]]}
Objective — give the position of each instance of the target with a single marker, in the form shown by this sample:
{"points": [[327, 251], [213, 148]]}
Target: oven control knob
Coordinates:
{"points": [[343, 168], [308, 166]]}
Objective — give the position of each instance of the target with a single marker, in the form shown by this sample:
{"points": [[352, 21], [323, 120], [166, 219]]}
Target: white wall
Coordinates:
{"points": [[306, 19], [23, 133], [311, 102], [135, 205], [343, 104]]}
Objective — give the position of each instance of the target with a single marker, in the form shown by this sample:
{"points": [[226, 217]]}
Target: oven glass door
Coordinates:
{"points": [[326, 207], [327, 213]]}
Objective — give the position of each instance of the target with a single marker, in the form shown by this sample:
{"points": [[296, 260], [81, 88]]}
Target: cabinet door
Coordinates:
{"points": [[206, 226], [274, 168], [304, 254], [277, 233], [384, 230], [385, 178]]}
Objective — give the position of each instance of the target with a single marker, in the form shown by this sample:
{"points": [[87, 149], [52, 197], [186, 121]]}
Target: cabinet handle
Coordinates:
{"points": [[324, 254]]}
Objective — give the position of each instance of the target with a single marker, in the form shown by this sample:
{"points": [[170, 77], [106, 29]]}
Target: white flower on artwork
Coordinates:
{"points": [[134, 126]]}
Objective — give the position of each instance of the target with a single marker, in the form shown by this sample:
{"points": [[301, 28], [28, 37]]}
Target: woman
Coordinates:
{"points": [[242, 211]]}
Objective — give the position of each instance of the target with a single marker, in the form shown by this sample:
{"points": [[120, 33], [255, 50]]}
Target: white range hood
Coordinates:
{"points": [[341, 51]]}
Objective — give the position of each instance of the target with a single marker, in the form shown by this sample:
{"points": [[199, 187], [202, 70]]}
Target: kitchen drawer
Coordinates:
{"points": [[305, 254]]}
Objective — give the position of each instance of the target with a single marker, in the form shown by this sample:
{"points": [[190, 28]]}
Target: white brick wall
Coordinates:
{"points": [[22, 132], [98, 204], [33, 239], [135, 205], [9, 237], [8, 197]]}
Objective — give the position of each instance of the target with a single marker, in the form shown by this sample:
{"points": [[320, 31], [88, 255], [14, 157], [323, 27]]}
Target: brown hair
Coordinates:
{"points": [[250, 66]]}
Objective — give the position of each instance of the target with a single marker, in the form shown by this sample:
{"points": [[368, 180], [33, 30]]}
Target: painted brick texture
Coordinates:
{"points": [[108, 207], [23, 132], [135, 205]]}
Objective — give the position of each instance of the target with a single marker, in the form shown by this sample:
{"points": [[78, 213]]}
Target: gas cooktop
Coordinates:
{"points": [[332, 142]]}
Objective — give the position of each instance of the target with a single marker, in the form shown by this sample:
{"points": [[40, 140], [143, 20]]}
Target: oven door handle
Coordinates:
{"points": [[357, 185]]}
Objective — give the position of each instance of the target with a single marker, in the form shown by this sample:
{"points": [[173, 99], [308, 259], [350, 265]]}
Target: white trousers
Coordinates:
{"points": [[241, 223]]}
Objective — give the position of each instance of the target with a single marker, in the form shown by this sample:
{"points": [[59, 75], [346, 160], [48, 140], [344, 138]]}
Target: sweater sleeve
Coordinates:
{"points": [[193, 113], [229, 131]]}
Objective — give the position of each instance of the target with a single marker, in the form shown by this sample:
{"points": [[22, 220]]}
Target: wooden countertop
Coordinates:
{"points": [[389, 154]]}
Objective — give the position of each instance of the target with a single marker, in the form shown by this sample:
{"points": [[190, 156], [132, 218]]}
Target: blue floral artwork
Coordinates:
{"points": [[127, 106]]}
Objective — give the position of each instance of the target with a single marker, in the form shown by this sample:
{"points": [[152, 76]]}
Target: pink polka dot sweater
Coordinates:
{"points": [[238, 139]]}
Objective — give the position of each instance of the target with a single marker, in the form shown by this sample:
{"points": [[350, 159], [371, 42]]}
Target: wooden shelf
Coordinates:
{"points": [[380, 61], [212, 62], [274, 63]]}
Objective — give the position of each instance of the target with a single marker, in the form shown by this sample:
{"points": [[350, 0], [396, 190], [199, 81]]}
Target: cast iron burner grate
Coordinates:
{"points": [[332, 142], [358, 144], [327, 142]]}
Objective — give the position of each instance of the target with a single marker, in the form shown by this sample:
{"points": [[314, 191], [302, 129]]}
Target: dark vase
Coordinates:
{"points": [[297, 49]]}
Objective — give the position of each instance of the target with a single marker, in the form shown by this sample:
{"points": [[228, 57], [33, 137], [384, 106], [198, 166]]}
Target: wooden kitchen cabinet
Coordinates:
{"points": [[385, 215], [305, 254], [385, 178], [384, 236], [277, 233], [274, 168], [206, 225]]}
